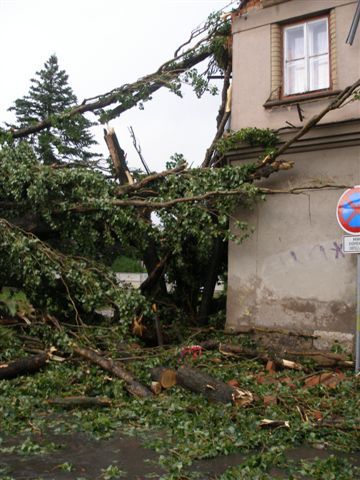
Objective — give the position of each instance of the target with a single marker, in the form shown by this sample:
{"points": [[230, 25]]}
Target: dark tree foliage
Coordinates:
{"points": [[69, 139]]}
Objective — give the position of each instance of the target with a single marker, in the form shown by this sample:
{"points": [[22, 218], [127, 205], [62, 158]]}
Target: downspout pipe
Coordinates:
{"points": [[354, 25]]}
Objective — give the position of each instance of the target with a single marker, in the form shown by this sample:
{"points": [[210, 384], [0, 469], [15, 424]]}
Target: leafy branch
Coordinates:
{"points": [[129, 95]]}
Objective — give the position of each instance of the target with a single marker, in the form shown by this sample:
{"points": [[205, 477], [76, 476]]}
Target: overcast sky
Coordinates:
{"points": [[102, 45]]}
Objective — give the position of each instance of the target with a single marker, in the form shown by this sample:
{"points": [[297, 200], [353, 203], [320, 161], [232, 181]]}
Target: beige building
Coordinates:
{"points": [[290, 59]]}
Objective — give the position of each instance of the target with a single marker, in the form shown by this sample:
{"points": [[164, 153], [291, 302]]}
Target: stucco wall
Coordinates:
{"points": [[291, 273], [252, 64]]}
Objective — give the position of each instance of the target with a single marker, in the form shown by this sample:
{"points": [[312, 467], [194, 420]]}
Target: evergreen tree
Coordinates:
{"points": [[50, 94]]}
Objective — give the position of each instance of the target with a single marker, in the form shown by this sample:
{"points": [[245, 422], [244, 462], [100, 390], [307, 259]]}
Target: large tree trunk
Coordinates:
{"points": [[213, 389], [210, 280], [132, 385], [155, 283], [218, 247]]}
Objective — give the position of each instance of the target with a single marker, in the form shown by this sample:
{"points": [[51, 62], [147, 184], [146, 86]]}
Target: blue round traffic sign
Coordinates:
{"points": [[348, 211]]}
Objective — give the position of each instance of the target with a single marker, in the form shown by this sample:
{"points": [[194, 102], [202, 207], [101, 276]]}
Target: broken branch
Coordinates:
{"points": [[129, 95], [132, 386], [82, 402], [336, 103], [22, 366]]}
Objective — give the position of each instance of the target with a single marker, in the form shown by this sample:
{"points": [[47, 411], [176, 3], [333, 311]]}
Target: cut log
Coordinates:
{"points": [[165, 376], [22, 366], [115, 368], [213, 389], [82, 402]]}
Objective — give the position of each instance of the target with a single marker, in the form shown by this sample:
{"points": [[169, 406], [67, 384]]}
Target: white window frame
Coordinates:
{"points": [[306, 57]]}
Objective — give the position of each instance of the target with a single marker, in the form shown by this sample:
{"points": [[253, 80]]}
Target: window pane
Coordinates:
{"points": [[294, 43], [319, 72], [295, 77], [318, 38]]}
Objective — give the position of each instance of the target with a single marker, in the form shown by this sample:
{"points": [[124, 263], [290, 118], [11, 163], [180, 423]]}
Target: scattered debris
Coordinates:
{"points": [[289, 359], [328, 379], [323, 359], [156, 388], [272, 361], [266, 423], [270, 400], [233, 383], [82, 402], [193, 350], [270, 367]]}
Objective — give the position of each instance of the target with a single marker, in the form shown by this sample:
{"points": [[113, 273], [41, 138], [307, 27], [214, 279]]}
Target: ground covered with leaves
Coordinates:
{"points": [[314, 431]]}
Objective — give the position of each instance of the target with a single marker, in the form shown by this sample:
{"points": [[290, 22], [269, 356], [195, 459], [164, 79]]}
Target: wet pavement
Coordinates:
{"points": [[80, 457], [85, 457]]}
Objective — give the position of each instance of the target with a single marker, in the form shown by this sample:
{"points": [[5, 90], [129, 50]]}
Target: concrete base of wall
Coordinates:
{"points": [[283, 341]]}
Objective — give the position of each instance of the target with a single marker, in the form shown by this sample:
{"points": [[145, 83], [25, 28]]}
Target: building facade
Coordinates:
{"points": [[290, 60]]}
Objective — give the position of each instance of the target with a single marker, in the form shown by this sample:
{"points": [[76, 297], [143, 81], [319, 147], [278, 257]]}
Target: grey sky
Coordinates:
{"points": [[102, 45]]}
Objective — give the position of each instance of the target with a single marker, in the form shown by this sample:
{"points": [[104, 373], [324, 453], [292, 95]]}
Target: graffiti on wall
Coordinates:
{"points": [[331, 250]]}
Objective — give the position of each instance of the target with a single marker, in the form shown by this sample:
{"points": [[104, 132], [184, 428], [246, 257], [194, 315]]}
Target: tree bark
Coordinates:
{"points": [[213, 389], [150, 257], [221, 119], [210, 280], [118, 157], [165, 376], [132, 385], [22, 366], [155, 268]]}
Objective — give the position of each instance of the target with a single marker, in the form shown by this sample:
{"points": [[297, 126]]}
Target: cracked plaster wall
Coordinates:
{"points": [[291, 273]]}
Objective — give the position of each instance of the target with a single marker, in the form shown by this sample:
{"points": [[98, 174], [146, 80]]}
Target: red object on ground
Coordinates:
{"points": [[194, 350]]}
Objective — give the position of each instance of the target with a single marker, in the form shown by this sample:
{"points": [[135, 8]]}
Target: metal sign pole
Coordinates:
{"points": [[357, 344], [348, 217]]}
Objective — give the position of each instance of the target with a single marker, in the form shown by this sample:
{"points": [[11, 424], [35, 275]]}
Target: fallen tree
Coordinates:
{"points": [[67, 223]]}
